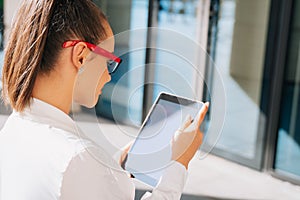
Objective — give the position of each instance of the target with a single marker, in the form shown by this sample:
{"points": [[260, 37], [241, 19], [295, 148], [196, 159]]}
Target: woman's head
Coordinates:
{"points": [[39, 29]]}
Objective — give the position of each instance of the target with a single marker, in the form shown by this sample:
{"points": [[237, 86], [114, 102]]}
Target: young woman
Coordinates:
{"points": [[51, 60]]}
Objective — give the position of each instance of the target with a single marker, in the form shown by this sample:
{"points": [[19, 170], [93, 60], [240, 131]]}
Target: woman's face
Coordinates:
{"points": [[94, 76], [105, 77]]}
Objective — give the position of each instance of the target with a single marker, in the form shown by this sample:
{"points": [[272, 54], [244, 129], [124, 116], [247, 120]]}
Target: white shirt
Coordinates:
{"points": [[43, 158]]}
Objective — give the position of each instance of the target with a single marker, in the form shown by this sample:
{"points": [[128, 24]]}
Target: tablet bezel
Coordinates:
{"points": [[168, 97]]}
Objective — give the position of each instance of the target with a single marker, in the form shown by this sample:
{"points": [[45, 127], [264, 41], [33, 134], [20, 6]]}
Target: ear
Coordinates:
{"points": [[79, 54]]}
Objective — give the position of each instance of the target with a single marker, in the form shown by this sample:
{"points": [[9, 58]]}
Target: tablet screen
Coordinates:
{"points": [[151, 152]]}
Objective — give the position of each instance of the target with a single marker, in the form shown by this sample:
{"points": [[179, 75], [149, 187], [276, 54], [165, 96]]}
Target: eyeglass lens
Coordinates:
{"points": [[112, 66]]}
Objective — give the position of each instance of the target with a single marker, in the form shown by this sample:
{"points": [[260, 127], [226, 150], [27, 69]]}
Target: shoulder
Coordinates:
{"points": [[39, 139], [46, 152]]}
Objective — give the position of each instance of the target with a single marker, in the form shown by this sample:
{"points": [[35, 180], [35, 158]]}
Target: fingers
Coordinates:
{"points": [[125, 150], [202, 114], [123, 160], [186, 123], [127, 147]]}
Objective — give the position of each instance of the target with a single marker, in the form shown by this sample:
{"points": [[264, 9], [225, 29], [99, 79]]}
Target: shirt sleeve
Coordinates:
{"points": [[87, 177], [171, 184]]}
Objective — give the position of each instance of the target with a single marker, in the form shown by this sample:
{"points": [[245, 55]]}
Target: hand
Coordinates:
{"points": [[124, 154], [188, 138]]}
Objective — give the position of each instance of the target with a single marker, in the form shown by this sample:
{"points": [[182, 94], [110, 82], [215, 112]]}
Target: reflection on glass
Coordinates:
{"points": [[123, 16], [240, 50], [288, 142], [176, 73]]}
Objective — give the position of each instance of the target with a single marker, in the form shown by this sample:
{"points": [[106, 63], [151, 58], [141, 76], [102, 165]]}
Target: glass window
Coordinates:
{"points": [[122, 97], [288, 142], [175, 55], [239, 54]]}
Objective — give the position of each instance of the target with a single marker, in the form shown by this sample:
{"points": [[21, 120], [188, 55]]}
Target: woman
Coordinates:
{"points": [[50, 61]]}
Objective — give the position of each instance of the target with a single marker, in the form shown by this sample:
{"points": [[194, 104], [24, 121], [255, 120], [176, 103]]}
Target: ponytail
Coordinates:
{"points": [[40, 28]]}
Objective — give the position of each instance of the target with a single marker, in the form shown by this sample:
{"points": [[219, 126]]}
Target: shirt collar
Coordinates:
{"points": [[42, 112]]}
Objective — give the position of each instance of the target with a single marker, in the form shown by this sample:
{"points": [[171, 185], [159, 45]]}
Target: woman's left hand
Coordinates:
{"points": [[124, 154]]}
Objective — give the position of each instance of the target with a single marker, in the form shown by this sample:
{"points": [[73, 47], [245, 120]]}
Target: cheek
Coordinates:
{"points": [[102, 73]]}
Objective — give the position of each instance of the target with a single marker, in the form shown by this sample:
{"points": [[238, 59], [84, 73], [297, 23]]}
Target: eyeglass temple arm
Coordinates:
{"points": [[94, 48]]}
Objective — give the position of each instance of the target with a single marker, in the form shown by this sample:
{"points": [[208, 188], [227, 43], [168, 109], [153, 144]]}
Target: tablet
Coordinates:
{"points": [[151, 152]]}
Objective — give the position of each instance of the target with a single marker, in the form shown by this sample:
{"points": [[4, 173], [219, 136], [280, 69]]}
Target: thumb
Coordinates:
{"points": [[186, 123]]}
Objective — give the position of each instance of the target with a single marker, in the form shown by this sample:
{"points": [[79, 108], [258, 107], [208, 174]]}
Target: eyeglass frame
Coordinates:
{"points": [[97, 50]]}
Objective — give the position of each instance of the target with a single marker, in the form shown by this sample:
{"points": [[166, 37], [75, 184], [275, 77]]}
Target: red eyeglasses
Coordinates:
{"points": [[112, 63]]}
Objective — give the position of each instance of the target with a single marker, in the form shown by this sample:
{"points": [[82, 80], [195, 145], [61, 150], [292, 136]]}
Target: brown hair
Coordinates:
{"points": [[39, 29]]}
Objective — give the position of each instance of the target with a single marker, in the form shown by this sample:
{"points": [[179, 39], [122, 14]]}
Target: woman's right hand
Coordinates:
{"points": [[188, 138]]}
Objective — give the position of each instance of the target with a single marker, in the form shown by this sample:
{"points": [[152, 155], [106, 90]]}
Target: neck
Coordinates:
{"points": [[55, 90]]}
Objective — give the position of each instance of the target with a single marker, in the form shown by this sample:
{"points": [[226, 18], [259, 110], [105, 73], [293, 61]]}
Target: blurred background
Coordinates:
{"points": [[254, 45]]}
